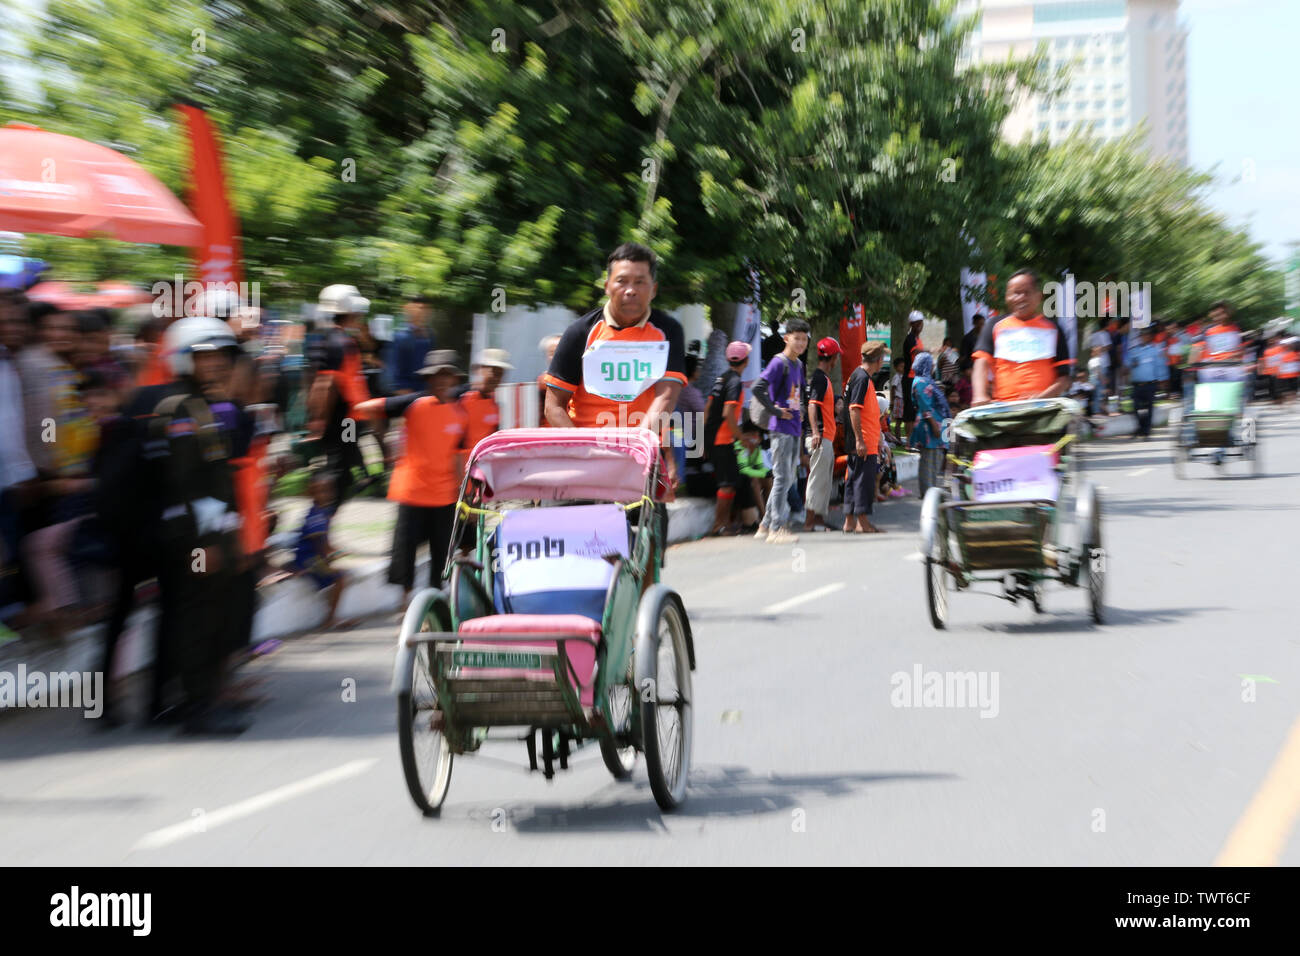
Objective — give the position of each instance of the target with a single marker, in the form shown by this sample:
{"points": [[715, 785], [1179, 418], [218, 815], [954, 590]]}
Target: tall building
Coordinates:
{"points": [[1128, 62]]}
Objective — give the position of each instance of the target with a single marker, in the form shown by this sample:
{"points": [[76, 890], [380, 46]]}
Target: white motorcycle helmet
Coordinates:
{"points": [[184, 337]]}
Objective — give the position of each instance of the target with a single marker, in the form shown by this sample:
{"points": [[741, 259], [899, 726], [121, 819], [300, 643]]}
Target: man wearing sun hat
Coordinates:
{"points": [[821, 440], [426, 480]]}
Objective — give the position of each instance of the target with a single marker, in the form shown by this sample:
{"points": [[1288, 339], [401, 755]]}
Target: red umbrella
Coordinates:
{"points": [[120, 295], [60, 294], [63, 186]]}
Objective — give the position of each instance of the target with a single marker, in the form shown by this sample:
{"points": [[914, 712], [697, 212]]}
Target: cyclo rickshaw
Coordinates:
{"points": [[1215, 426], [555, 625], [1016, 511]]}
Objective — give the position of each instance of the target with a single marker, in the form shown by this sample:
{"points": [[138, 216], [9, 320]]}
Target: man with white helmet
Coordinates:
{"points": [[177, 490], [339, 385]]}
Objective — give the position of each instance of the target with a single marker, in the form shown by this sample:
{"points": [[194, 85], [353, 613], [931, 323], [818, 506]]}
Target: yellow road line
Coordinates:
{"points": [[1261, 834]]}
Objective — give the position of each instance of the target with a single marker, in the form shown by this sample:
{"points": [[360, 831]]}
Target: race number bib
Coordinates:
{"points": [[1290, 368], [1025, 345], [620, 371], [1221, 342]]}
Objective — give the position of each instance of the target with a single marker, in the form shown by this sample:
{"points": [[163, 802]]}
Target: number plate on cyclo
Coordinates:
{"points": [[506, 659]]}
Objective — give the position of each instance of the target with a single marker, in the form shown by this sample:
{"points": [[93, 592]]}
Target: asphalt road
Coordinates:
{"points": [[1131, 743]]}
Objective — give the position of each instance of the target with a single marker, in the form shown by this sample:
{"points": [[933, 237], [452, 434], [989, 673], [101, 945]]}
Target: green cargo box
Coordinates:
{"points": [[1217, 398]]}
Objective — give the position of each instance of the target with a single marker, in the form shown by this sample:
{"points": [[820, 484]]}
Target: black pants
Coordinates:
{"points": [[342, 458], [415, 526], [1144, 400], [195, 625], [860, 485], [135, 569]]}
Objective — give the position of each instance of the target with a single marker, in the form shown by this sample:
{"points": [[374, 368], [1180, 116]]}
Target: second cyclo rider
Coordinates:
{"points": [[1026, 352]]}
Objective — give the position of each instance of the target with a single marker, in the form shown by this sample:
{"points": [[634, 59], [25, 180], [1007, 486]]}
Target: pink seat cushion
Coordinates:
{"points": [[581, 654]]}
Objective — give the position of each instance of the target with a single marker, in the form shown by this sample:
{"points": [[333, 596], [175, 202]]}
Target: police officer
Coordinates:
{"points": [[185, 474]]}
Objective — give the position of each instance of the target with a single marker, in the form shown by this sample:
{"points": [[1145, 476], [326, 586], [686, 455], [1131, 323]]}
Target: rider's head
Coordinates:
{"points": [[630, 282], [1221, 312], [1025, 294]]}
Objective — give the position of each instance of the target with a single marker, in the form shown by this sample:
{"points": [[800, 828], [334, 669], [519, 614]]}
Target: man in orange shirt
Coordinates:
{"points": [[1026, 352], [426, 481], [483, 417], [864, 416]]}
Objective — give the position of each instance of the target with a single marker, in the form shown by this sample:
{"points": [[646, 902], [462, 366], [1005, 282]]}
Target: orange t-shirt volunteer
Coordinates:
{"points": [[427, 475], [584, 336], [1028, 355], [483, 417]]}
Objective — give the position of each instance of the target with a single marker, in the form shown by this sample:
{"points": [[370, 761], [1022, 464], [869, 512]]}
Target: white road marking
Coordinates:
{"points": [[914, 556], [244, 808], [804, 598], [1140, 472]]}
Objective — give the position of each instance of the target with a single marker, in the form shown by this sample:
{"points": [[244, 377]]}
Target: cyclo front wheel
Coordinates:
{"points": [[663, 689], [934, 547], [426, 758]]}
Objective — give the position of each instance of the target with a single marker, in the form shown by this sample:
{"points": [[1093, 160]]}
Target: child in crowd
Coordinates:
{"points": [[895, 410], [313, 555], [749, 456]]}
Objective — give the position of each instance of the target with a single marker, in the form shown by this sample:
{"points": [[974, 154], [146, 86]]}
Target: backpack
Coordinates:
{"points": [[758, 412]]}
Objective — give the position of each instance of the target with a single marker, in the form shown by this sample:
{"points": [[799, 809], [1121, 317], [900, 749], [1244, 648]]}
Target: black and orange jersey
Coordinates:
{"points": [[862, 396], [821, 396], [609, 373], [1222, 343], [1028, 355], [724, 408]]}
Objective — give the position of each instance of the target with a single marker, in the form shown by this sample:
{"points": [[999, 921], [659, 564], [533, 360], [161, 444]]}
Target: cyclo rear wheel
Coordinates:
{"points": [[426, 757]]}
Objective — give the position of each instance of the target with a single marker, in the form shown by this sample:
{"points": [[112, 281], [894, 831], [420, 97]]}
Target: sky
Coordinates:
{"points": [[1243, 103]]}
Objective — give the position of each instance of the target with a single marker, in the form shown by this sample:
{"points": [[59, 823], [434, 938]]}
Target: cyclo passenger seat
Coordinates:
{"points": [[552, 577]]}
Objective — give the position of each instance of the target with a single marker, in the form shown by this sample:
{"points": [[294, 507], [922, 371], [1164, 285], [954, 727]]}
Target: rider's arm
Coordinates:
{"points": [[664, 402], [979, 376], [979, 382], [557, 408]]}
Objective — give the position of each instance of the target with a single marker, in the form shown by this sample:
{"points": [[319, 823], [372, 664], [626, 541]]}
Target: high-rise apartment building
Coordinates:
{"points": [[1128, 62]]}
